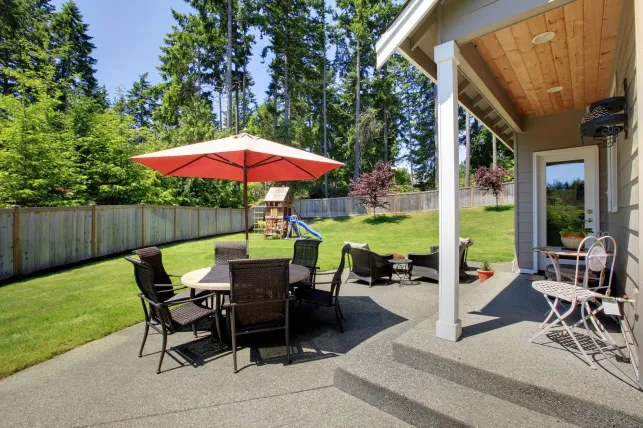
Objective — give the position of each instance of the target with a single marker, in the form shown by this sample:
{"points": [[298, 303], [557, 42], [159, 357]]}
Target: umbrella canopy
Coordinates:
{"points": [[242, 157], [228, 157]]}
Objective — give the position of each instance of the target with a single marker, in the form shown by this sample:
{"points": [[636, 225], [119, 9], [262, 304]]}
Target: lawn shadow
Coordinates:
{"points": [[341, 219], [499, 208], [386, 219]]}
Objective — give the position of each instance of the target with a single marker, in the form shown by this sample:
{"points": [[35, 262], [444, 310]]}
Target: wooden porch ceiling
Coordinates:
{"points": [[579, 58]]}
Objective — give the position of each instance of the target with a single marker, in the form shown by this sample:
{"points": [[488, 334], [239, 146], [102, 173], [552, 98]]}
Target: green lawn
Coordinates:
{"points": [[46, 315]]}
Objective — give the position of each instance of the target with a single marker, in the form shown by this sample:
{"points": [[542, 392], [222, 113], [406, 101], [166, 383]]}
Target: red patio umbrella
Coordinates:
{"points": [[242, 157]]}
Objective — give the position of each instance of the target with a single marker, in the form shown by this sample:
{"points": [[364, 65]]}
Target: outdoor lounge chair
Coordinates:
{"points": [[369, 266], [224, 251], [168, 292], [259, 299], [323, 297], [427, 265], [183, 313], [305, 254]]}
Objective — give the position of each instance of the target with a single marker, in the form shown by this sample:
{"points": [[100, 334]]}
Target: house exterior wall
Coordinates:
{"points": [[558, 131], [624, 225]]}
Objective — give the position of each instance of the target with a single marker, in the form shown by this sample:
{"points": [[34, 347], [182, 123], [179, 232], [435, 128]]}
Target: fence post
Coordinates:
{"points": [[94, 243], [346, 200], [502, 195], [16, 239], [175, 222], [472, 198], [198, 222], [142, 224], [394, 203], [216, 222], [419, 201]]}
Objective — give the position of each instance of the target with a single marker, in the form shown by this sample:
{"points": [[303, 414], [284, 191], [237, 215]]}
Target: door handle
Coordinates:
{"points": [[588, 220]]}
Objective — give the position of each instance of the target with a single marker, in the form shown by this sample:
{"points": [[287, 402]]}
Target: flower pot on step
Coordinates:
{"points": [[484, 275]]}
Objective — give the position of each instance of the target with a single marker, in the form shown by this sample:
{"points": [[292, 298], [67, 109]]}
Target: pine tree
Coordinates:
{"points": [[72, 47]]}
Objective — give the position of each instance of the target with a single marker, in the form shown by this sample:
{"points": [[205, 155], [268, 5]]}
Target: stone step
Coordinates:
{"points": [[424, 400], [493, 358]]}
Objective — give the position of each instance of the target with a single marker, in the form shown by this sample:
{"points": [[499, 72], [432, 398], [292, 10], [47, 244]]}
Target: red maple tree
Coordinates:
{"points": [[371, 186], [490, 180]]}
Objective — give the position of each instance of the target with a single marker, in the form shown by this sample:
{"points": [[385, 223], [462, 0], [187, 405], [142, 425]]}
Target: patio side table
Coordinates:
{"points": [[402, 269]]}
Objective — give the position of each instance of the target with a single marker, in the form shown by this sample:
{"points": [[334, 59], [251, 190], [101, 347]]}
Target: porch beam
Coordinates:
{"points": [[478, 73], [447, 57], [422, 31], [483, 117], [466, 20]]}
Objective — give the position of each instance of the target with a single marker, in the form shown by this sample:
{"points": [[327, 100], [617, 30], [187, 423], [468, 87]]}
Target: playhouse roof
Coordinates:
{"points": [[278, 194]]}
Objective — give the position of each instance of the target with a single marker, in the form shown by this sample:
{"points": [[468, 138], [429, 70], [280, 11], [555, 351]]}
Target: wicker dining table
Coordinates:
{"points": [[217, 279]]}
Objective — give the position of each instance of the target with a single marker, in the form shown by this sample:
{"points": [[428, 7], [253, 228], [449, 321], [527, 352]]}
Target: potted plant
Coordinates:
{"points": [[485, 272], [571, 237]]}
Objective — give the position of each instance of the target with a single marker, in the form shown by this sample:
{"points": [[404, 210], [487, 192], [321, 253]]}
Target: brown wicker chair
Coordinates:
{"points": [[306, 254], [224, 251], [259, 299], [183, 313], [369, 266], [323, 297]]}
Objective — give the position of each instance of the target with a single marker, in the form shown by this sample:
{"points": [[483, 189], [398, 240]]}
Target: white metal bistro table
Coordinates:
{"points": [[556, 253], [217, 279]]}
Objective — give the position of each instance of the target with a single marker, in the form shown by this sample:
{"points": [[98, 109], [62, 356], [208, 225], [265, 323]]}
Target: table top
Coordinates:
{"points": [[217, 278], [400, 261], [562, 251]]}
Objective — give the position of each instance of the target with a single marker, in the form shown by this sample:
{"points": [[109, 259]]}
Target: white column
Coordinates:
{"points": [[447, 57]]}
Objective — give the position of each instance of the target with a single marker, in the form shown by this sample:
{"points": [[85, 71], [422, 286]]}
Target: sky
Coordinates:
{"points": [[128, 35], [565, 172]]}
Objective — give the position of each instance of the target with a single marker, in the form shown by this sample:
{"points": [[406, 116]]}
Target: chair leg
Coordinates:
{"points": [[288, 360], [339, 321], [194, 329], [233, 333], [145, 333], [163, 348], [339, 307], [551, 314]]}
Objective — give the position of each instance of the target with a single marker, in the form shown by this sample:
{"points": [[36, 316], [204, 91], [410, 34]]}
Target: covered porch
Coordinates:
{"points": [[528, 70]]}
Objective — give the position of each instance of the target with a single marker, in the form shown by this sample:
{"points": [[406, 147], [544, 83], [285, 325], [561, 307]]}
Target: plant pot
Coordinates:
{"points": [[571, 240], [484, 275]]}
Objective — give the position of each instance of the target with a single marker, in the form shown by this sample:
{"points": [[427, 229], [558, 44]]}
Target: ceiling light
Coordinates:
{"points": [[555, 89], [543, 38]]}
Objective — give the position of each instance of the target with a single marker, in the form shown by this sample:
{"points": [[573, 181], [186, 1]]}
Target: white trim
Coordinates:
{"points": [[583, 151], [407, 21], [612, 176], [526, 271]]}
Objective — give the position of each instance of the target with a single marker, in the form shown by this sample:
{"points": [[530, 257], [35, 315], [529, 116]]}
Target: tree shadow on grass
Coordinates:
{"points": [[499, 208], [386, 219]]}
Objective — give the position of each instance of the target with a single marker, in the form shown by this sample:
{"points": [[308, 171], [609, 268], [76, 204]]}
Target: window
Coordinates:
{"points": [[612, 176]]}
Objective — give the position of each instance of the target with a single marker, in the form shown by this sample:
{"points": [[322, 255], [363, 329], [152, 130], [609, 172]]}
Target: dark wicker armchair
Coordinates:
{"points": [[183, 313], [369, 266], [168, 293], [259, 299], [306, 254], [428, 265], [324, 297], [224, 251]]}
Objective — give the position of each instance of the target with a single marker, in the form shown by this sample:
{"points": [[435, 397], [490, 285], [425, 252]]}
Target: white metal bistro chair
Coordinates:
{"points": [[597, 262]]}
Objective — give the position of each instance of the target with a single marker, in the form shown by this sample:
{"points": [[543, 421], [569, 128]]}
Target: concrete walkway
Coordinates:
{"points": [[105, 383]]}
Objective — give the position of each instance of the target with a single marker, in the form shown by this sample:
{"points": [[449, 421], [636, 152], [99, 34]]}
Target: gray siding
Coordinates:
{"points": [[624, 224]]}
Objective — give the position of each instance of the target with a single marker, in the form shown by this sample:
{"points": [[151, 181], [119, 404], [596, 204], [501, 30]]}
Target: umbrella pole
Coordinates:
{"points": [[245, 195]]}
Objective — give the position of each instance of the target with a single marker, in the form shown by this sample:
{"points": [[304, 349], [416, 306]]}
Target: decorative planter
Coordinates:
{"points": [[571, 240], [484, 275]]}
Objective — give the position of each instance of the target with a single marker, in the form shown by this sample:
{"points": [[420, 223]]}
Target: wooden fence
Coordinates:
{"points": [[33, 239], [399, 203]]}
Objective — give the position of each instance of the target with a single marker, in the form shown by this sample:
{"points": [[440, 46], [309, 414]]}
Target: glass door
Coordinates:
{"points": [[566, 195]]}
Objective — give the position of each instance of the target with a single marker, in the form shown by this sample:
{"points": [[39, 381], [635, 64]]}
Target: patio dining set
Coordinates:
{"points": [[243, 296]]}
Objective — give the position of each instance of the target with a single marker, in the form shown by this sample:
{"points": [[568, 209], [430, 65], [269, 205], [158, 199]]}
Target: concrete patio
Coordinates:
{"points": [[387, 369]]}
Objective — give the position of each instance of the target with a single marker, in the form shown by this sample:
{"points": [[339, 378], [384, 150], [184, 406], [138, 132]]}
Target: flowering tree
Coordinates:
{"points": [[371, 186], [490, 180]]}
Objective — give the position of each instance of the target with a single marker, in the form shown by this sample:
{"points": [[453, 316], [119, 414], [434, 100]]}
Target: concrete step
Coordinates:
{"points": [[494, 359], [424, 400]]}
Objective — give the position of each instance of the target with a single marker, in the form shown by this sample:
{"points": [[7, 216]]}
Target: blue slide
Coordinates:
{"points": [[306, 228]]}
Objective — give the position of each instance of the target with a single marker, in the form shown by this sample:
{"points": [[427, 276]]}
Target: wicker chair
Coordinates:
{"points": [[369, 266], [168, 293], [306, 254], [229, 250], [323, 297], [183, 313], [259, 299], [428, 265]]}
